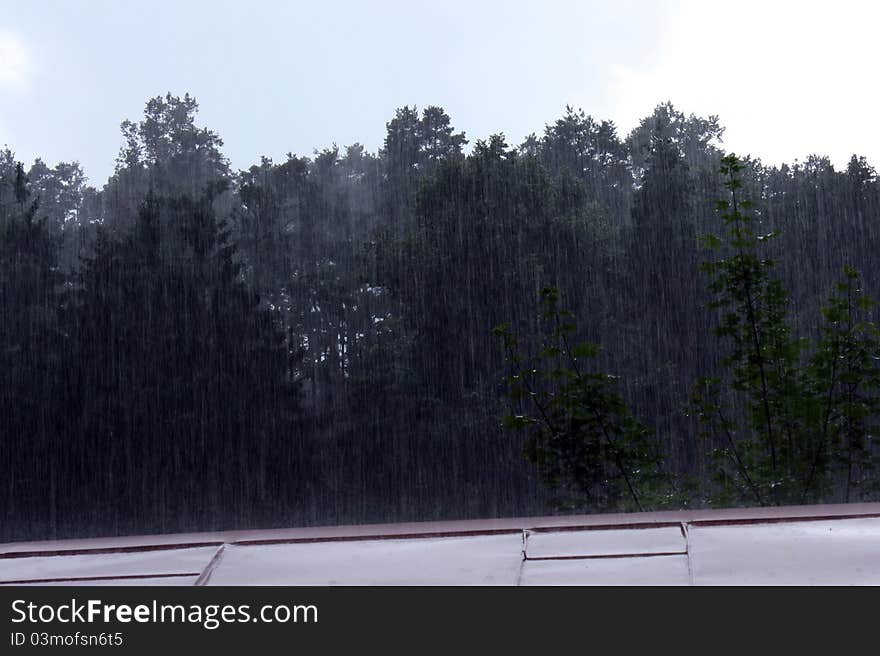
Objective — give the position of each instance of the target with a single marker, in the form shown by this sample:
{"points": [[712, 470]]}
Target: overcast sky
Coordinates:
{"points": [[787, 78]]}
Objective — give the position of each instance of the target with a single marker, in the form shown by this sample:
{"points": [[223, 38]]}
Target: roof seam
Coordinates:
{"points": [[211, 566]]}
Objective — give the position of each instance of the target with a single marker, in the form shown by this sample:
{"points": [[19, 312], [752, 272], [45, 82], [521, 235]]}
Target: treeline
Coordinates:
{"points": [[310, 341]]}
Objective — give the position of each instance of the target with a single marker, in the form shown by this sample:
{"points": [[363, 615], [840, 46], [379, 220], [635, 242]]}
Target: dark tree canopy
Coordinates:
{"points": [[309, 341]]}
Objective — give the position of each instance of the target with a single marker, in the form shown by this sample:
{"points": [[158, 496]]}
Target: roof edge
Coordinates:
{"points": [[456, 528]]}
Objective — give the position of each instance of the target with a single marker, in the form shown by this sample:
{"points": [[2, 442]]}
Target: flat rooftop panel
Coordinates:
{"points": [[480, 560], [655, 570], [106, 565], [608, 542], [838, 552]]}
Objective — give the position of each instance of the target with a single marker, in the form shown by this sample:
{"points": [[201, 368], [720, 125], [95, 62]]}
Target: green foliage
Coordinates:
{"points": [[788, 421], [844, 385], [793, 420], [583, 439]]}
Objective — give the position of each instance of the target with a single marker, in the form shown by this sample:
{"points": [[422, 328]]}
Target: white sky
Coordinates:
{"points": [[14, 62], [787, 78]]}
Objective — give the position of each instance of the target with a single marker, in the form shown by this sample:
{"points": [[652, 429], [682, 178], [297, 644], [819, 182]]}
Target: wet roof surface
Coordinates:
{"points": [[808, 545]]}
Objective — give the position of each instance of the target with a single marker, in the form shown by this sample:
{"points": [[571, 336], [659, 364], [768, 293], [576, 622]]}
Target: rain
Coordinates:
{"points": [[312, 340]]}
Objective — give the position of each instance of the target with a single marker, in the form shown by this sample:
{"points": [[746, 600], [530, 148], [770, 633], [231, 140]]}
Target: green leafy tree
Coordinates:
{"points": [[166, 154], [583, 439], [762, 359], [786, 421], [844, 384], [696, 138], [414, 148]]}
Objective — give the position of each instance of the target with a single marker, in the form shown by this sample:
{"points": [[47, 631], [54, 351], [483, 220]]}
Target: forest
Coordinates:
{"points": [[444, 329]]}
